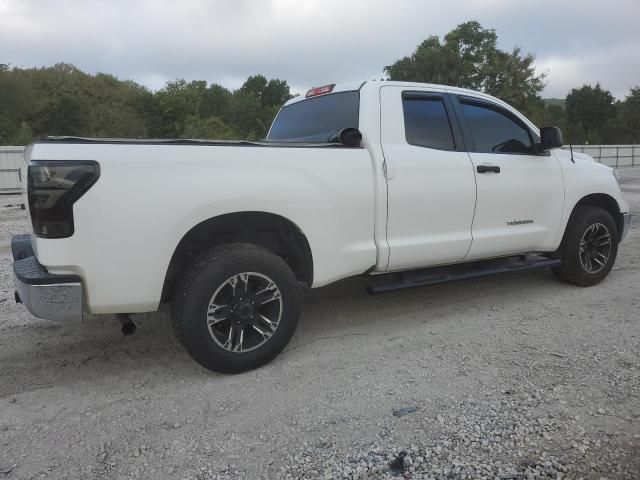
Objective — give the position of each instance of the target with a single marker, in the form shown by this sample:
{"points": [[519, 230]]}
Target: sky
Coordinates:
{"points": [[314, 42]]}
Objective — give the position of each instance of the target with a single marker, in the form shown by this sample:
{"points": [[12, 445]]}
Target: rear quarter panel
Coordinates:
{"points": [[148, 197]]}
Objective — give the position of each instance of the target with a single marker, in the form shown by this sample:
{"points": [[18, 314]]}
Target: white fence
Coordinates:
{"points": [[613, 155], [12, 169]]}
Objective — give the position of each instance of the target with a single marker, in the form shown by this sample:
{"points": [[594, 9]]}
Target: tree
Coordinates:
{"points": [[210, 128], [270, 93], [276, 93], [589, 109], [468, 57], [254, 86], [173, 104], [16, 101], [544, 114], [216, 101], [112, 107], [628, 120], [65, 116], [255, 104], [247, 116], [63, 100]]}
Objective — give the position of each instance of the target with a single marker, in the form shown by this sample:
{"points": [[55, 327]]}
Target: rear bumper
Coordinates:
{"points": [[45, 295], [626, 224]]}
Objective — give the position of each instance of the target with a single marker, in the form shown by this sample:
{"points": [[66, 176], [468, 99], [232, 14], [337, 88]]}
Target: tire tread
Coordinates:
{"points": [[216, 256], [570, 270]]}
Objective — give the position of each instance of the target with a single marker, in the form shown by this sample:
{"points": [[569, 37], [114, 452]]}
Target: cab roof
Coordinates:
{"points": [[351, 86], [374, 84]]}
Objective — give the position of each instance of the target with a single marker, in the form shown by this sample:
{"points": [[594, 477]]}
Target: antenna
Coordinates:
{"points": [[571, 149]]}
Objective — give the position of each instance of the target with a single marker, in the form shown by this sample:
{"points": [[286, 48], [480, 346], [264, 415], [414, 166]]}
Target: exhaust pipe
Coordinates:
{"points": [[127, 326]]}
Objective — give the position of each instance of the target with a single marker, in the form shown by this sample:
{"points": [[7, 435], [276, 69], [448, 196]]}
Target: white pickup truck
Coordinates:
{"points": [[411, 184]]}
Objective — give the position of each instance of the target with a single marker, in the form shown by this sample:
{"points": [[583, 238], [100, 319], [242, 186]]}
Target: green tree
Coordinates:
{"points": [[468, 57], [589, 109], [270, 93], [112, 107], [174, 103], [160, 120], [16, 101], [276, 93], [210, 128], [247, 116], [254, 86], [548, 115], [254, 105], [628, 120], [65, 115], [172, 106], [216, 101], [64, 100]]}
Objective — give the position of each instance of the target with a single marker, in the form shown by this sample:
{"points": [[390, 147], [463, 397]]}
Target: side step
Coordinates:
{"points": [[454, 273]]}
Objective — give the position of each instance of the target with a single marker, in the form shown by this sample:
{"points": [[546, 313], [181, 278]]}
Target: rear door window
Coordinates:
{"points": [[426, 122]]}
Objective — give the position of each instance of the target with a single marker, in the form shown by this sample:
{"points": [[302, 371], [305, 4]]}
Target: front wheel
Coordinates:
{"points": [[237, 308], [589, 247]]}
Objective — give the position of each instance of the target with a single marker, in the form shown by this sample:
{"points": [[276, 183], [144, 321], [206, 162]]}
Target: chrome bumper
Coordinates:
{"points": [[45, 295], [626, 224]]}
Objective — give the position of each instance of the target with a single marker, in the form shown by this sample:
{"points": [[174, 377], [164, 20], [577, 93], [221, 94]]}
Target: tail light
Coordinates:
{"points": [[53, 187]]}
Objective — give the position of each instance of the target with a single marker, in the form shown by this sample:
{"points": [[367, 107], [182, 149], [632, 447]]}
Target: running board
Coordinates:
{"points": [[454, 273]]}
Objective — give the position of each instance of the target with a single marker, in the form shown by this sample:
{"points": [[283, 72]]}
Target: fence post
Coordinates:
{"points": [[600, 154], [617, 155]]}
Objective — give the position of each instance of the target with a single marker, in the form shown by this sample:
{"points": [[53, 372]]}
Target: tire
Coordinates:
{"points": [[237, 295], [589, 247]]}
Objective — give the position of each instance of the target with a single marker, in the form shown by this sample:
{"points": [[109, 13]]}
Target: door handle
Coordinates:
{"points": [[488, 168]]}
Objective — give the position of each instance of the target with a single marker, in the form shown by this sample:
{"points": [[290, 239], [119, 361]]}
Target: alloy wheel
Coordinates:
{"points": [[244, 312], [595, 248]]}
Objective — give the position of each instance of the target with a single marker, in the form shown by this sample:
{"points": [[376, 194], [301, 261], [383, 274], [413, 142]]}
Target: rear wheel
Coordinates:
{"points": [[237, 308], [589, 247]]}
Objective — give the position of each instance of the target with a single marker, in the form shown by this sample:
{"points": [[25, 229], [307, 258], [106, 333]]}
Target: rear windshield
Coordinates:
{"points": [[317, 119]]}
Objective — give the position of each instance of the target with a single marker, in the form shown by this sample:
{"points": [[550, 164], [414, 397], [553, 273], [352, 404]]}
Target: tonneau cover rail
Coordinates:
{"points": [[185, 141]]}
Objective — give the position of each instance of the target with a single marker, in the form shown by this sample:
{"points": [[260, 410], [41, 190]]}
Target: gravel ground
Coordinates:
{"points": [[511, 377]]}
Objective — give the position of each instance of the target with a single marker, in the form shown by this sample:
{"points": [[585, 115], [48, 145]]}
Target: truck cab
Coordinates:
{"points": [[460, 175]]}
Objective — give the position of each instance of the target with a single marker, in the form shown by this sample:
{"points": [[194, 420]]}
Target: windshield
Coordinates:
{"points": [[317, 119]]}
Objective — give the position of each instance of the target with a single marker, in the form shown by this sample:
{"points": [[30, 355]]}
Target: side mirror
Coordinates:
{"points": [[550, 137], [350, 137]]}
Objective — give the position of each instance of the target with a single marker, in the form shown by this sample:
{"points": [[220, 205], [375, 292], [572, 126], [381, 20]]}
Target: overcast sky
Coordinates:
{"points": [[312, 42]]}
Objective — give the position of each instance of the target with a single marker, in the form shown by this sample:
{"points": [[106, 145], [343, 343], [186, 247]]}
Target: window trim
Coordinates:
{"points": [[456, 134], [459, 100]]}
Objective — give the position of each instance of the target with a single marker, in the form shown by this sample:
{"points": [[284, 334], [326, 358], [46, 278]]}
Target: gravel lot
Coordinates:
{"points": [[512, 377]]}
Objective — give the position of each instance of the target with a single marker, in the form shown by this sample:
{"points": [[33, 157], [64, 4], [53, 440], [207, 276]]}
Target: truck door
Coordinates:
{"points": [[520, 192], [430, 179]]}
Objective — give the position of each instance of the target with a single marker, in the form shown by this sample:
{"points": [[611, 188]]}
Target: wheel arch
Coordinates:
{"points": [[268, 230], [601, 200]]}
